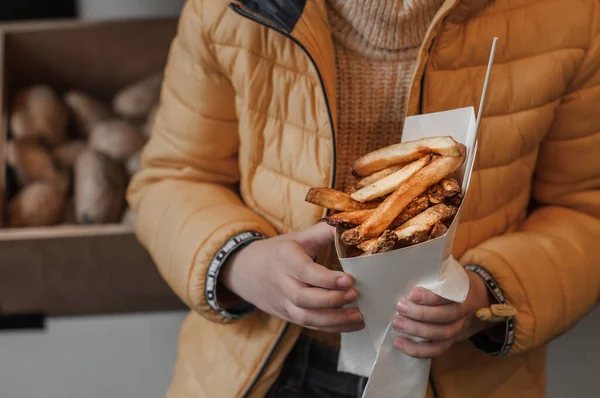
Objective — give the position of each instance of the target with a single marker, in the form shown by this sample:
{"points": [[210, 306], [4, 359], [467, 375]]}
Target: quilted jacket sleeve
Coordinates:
{"points": [[550, 269], [185, 195]]}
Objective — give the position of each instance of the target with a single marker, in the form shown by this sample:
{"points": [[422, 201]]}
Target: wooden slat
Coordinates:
{"points": [[3, 128], [80, 275], [78, 269]]}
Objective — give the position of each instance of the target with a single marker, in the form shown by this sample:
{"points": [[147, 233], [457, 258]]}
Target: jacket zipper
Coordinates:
{"points": [[264, 22]]}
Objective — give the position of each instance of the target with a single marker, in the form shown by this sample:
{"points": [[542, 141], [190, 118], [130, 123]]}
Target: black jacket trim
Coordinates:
{"points": [[232, 245], [285, 13]]}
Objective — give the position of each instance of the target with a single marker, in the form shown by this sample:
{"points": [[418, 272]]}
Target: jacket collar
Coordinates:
{"points": [[306, 22], [287, 13]]}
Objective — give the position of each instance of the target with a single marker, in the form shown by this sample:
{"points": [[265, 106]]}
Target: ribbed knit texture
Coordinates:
{"points": [[381, 29], [376, 44]]}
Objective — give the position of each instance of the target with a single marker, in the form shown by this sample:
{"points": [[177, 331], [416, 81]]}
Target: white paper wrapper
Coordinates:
{"points": [[383, 279]]}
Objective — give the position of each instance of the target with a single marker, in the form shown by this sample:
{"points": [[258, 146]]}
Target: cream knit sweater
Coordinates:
{"points": [[376, 44]]}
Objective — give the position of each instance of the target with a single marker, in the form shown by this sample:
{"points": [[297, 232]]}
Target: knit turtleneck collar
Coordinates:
{"points": [[381, 27]]}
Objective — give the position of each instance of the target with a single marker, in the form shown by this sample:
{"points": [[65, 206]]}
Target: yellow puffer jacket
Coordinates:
{"points": [[246, 126]]}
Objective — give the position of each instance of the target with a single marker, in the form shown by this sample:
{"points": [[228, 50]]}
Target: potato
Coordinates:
{"points": [[150, 120], [40, 204], [65, 154], [134, 163], [68, 214], [129, 217], [38, 112], [99, 190], [31, 163], [136, 101], [86, 111], [117, 139]]}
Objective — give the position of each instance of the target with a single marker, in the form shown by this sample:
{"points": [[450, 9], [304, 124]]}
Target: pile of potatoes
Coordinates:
{"points": [[72, 157]]}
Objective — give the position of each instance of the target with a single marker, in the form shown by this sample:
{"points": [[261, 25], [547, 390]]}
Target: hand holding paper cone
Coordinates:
{"points": [[278, 275], [439, 321]]}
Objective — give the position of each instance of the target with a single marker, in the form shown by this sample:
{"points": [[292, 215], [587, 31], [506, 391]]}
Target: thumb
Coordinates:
{"points": [[313, 239]]}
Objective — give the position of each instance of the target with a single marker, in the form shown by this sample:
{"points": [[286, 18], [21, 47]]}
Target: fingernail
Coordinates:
{"points": [[399, 344], [399, 324], [356, 317], [344, 282], [350, 297], [417, 297], [402, 307]]}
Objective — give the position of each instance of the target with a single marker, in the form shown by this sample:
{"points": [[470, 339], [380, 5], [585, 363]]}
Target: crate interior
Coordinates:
{"points": [[98, 58]]}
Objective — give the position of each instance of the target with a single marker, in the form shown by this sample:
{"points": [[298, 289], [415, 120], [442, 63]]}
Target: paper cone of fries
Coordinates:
{"points": [[383, 279], [395, 231]]}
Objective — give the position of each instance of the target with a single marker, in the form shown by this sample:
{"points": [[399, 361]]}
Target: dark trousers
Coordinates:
{"points": [[310, 371]]}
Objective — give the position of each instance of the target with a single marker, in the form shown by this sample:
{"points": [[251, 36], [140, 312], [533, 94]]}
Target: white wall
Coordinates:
{"points": [[98, 357], [574, 361], [119, 9], [132, 356]]}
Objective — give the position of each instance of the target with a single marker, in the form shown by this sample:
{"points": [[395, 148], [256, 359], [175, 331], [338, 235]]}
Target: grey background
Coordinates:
{"points": [[113, 9], [132, 356]]}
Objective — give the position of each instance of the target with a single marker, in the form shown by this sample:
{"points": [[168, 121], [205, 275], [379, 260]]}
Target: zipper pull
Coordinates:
{"points": [[496, 313]]}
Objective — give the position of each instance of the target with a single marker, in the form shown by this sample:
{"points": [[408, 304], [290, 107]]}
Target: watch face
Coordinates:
{"points": [[19, 10]]}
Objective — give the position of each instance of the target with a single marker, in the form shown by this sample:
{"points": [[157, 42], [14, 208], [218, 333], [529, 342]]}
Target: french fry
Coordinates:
{"points": [[348, 219], [451, 186], [386, 242], [394, 204], [419, 237], [351, 189], [454, 200], [415, 207], [335, 200], [370, 245], [424, 222], [390, 183], [418, 229], [378, 175], [404, 152], [445, 189], [351, 219], [438, 230]]}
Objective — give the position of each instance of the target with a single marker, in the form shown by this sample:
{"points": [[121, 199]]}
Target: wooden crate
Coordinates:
{"points": [[78, 269]]}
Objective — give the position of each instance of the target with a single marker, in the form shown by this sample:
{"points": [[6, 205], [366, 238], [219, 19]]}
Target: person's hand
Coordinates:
{"points": [[439, 321], [278, 275]]}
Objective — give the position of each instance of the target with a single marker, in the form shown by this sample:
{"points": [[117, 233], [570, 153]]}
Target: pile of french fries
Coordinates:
{"points": [[404, 195]]}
